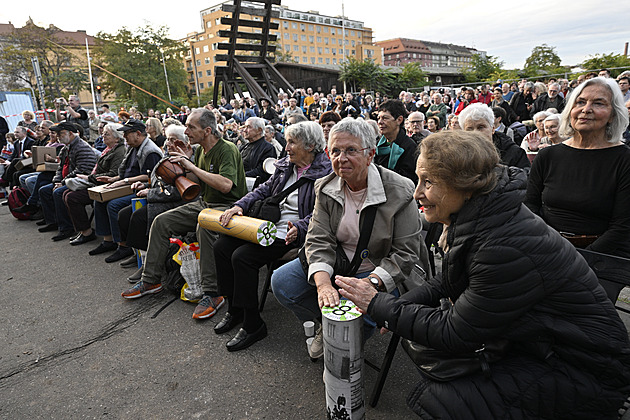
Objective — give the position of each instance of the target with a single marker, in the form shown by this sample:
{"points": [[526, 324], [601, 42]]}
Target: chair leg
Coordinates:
{"points": [[266, 286], [384, 370]]}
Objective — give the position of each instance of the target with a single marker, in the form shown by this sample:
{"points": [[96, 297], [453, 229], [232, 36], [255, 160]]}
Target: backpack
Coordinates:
{"points": [[18, 198]]}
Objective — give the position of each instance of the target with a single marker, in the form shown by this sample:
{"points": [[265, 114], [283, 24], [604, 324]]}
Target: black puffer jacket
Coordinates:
{"points": [[512, 277]]}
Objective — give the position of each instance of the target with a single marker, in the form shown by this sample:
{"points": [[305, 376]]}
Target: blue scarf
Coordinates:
{"points": [[393, 150]]}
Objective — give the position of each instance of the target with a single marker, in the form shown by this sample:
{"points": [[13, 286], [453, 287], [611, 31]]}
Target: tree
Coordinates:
{"points": [[482, 68], [543, 57], [59, 75], [412, 75], [607, 61], [137, 57], [364, 74]]}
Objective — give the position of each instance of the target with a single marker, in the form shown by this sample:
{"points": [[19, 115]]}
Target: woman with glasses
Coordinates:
{"points": [[345, 198]]}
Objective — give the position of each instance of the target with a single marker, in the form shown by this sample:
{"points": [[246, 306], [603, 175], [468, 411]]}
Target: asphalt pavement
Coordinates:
{"points": [[72, 348]]}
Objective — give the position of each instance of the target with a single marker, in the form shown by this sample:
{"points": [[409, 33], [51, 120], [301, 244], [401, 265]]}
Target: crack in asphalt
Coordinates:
{"points": [[111, 329]]}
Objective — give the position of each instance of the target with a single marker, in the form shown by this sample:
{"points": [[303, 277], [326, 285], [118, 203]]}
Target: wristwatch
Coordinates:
{"points": [[126, 181], [374, 282]]}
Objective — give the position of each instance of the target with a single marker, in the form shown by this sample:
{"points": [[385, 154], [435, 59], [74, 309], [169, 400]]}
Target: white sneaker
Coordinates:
{"points": [[316, 350]]}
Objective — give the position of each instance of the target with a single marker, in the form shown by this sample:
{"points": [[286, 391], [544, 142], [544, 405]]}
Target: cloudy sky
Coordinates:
{"points": [[506, 29]]}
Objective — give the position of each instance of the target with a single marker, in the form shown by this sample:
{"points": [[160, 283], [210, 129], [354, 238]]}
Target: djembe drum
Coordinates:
{"points": [[173, 174]]}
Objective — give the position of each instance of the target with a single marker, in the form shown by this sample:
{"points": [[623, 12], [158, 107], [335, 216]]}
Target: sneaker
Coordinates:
{"points": [[140, 289], [316, 350], [208, 306]]}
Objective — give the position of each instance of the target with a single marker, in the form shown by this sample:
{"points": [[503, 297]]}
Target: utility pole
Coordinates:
{"points": [[166, 76]]}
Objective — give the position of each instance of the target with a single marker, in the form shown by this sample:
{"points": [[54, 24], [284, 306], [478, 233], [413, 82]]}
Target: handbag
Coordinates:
{"points": [[442, 366], [269, 208], [77, 184], [343, 266]]}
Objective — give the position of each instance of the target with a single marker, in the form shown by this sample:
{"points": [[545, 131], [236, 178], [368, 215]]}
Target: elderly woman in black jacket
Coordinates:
{"points": [[508, 279]]}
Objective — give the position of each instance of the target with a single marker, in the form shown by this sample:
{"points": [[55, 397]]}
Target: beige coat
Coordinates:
{"points": [[396, 242]]}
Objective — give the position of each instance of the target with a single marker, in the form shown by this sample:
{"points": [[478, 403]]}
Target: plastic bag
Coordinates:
{"points": [[188, 258]]}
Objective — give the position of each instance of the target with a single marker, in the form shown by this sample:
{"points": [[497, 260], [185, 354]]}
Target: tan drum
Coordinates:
{"points": [[173, 174]]}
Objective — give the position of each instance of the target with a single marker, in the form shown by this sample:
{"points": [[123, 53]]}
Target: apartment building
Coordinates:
{"points": [[400, 51], [308, 37]]}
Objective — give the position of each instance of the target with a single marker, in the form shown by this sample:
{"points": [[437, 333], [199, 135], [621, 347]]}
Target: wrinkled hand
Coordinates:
{"points": [[57, 185], [142, 193], [138, 185], [118, 183], [225, 218], [292, 234], [182, 159], [533, 144], [103, 178], [359, 291], [28, 153], [82, 176], [327, 296]]}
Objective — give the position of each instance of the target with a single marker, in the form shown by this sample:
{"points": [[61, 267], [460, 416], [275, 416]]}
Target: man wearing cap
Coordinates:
{"points": [[74, 112], [76, 157], [142, 155], [219, 168]]}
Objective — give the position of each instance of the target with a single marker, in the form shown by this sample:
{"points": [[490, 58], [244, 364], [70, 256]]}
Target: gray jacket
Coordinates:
{"points": [[396, 242], [146, 148]]}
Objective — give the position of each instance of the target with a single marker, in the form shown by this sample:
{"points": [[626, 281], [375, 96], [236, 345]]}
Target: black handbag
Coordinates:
{"points": [[442, 366], [269, 208], [343, 265]]}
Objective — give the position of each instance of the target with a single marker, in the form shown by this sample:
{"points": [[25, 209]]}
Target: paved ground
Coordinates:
{"points": [[71, 348]]}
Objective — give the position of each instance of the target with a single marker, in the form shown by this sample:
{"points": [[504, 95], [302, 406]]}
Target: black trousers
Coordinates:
{"points": [[133, 227], [238, 262]]}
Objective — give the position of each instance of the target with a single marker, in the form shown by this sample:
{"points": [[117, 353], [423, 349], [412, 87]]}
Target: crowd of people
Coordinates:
{"points": [[516, 174]]}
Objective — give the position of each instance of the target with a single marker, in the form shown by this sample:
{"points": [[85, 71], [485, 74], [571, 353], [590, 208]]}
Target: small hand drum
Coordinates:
{"points": [[173, 174]]}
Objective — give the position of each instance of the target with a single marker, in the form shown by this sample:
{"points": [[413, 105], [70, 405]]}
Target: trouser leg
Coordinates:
{"points": [[292, 290], [46, 201], [207, 264], [113, 207], [61, 211], [76, 201]]}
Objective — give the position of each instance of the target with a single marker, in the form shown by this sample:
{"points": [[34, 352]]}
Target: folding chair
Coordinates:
{"points": [[271, 267]]}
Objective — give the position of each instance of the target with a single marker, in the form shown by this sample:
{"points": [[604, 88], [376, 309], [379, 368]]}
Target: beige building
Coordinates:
{"points": [[309, 37]]}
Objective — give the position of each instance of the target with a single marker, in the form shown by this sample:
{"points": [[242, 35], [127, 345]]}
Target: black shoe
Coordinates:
{"points": [[26, 208], [39, 215], [5, 203], [130, 262], [41, 222], [63, 235], [82, 239], [228, 322], [121, 252], [49, 228], [104, 246], [135, 277], [243, 339]]}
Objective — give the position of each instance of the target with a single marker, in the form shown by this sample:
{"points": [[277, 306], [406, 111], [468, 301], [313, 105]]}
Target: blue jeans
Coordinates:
{"points": [[35, 182], [54, 208], [292, 290], [106, 216]]}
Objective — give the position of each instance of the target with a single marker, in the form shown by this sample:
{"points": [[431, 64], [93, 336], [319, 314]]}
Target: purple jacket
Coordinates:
{"points": [[306, 193]]}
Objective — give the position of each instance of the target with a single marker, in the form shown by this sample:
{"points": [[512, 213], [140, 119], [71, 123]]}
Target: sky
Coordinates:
{"points": [[505, 29]]}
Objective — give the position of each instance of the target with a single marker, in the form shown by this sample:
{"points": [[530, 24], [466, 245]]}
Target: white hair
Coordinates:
{"points": [[476, 112]]}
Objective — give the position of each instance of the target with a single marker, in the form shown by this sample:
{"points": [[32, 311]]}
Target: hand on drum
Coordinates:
{"points": [[227, 215], [182, 159], [327, 296], [359, 291], [138, 185], [142, 193]]}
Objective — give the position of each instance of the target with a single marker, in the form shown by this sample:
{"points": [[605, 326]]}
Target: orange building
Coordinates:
{"points": [[308, 37]]}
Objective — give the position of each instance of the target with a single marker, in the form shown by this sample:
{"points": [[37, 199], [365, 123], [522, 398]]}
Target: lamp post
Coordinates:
{"points": [[168, 88]]}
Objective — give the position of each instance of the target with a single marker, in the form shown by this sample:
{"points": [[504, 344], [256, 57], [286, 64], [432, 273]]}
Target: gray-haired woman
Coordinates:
{"points": [[343, 199], [581, 187], [238, 261]]}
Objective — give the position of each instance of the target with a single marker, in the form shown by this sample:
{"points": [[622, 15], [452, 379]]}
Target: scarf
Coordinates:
{"points": [[392, 149]]}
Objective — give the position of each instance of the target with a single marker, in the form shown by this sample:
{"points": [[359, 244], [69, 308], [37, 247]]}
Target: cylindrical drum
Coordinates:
{"points": [[342, 329], [138, 203], [258, 231]]}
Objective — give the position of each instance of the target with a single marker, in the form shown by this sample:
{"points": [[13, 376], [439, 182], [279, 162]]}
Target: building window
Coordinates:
{"points": [[327, 50], [287, 48], [206, 60], [286, 35], [294, 25], [310, 28], [351, 33], [319, 39], [217, 21], [320, 60], [295, 37], [312, 49], [208, 72], [334, 61], [353, 43], [311, 38], [200, 85], [304, 59], [302, 26], [197, 50], [319, 50], [303, 38], [312, 60], [328, 61], [332, 31], [200, 38], [285, 25], [205, 48], [198, 63], [325, 29], [208, 24], [319, 29], [304, 49], [209, 84], [296, 48], [333, 40], [199, 74], [334, 50]]}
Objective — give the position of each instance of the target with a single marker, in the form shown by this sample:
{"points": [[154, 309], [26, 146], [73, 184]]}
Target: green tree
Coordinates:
{"points": [[60, 74], [364, 74], [137, 57], [543, 57], [607, 61], [412, 76], [482, 68]]}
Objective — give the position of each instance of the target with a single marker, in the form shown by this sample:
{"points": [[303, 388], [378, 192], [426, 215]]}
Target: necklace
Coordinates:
{"points": [[357, 204]]}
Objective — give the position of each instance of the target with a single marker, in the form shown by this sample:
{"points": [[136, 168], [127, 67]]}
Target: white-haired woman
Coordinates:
{"points": [[551, 125], [582, 186], [134, 225], [479, 117], [76, 198], [345, 198], [238, 261], [531, 142]]}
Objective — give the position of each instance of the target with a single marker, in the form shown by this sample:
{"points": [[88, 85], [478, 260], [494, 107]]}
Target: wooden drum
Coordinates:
{"points": [[173, 174]]}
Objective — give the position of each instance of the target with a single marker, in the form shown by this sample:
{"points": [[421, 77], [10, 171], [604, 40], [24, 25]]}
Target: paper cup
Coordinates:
{"points": [[309, 328]]}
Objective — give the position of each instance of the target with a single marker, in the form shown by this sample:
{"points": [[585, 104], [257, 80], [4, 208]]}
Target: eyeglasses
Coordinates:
{"points": [[416, 121], [349, 152]]}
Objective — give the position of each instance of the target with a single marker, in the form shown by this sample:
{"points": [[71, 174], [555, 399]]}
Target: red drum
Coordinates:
{"points": [[173, 174]]}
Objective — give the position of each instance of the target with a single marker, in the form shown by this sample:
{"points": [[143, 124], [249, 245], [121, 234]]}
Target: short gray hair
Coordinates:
{"points": [[357, 128], [615, 129], [553, 117], [207, 119], [47, 123], [177, 131], [113, 130], [257, 123], [309, 133], [476, 112], [541, 114], [528, 85]]}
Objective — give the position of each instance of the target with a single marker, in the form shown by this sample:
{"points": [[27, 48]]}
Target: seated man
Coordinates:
{"points": [[416, 127], [219, 167], [77, 157], [141, 157], [23, 143]]}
